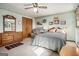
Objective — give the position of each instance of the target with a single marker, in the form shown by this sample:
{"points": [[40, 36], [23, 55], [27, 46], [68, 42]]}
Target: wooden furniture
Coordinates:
{"points": [[7, 38], [9, 34], [69, 51], [9, 29], [18, 37], [26, 27], [10, 37], [0, 38]]}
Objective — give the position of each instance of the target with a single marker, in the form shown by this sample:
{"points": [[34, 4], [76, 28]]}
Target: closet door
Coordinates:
{"points": [[26, 27], [0, 39]]}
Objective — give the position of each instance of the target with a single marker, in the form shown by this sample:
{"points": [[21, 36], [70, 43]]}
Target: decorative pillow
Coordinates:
{"points": [[60, 31], [52, 30], [38, 30]]}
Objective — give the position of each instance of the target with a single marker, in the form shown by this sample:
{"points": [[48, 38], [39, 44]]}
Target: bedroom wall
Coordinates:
{"points": [[33, 23], [70, 23], [77, 35], [18, 19]]}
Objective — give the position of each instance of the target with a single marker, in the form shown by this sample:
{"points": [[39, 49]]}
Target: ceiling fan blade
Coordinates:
{"points": [[28, 8], [35, 4], [28, 4], [42, 7]]}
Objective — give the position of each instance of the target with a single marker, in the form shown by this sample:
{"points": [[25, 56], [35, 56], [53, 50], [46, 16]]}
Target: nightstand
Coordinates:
{"points": [[68, 51], [77, 48]]}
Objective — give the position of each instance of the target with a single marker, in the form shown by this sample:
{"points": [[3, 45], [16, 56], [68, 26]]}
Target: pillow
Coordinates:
{"points": [[52, 30], [60, 31]]}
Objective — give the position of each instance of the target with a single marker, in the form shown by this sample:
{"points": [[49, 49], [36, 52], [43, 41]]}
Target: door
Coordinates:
{"points": [[26, 27], [0, 39]]}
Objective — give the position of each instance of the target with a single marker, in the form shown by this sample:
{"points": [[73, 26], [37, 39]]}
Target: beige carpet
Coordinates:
{"points": [[28, 50]]}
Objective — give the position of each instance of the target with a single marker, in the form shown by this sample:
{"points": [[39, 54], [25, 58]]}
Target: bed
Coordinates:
{"points": [[54, 41]]}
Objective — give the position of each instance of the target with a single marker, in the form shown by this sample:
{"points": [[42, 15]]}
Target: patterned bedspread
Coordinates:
{"points": [[53, 41]]}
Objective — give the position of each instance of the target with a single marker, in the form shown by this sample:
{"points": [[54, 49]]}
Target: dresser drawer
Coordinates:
{"points": [[0, 42], [18, 36], [7, 41], [10, 37], [11, 34], [7, 38], [4, 35]]}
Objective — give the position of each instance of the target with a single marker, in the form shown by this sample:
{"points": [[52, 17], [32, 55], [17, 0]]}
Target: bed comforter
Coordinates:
{"points": [[53, 41]]}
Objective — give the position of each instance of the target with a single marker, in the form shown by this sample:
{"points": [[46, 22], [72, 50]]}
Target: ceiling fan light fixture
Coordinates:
{"points": [[35, 9]]}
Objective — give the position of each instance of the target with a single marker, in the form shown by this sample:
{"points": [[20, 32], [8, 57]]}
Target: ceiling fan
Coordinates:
{"points": [[35, 6]]}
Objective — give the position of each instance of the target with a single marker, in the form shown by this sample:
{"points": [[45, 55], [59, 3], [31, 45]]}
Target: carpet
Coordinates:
{"points": [[13, 45]]}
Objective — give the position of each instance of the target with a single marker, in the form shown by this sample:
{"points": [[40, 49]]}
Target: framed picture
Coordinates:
{"points": [[56, 21], [77, 17], [63, 22], [77, 23], [44, 20], [39, 23], [50, 23]]}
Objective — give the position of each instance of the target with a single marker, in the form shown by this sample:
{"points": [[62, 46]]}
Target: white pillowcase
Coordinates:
{"points": [[60, 31]]}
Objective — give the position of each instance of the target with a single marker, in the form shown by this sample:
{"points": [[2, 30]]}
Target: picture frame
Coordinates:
{"points": [[50, 23], [77, 21], [38, 23], [63, 22], [44, 20], [56, 21], [77, 24], [77, 17]]}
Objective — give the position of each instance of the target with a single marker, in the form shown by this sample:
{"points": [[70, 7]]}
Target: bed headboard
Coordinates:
{"points": [[56, 29]]}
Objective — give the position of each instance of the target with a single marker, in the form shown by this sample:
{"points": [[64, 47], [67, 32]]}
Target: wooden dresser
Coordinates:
{"points": [[10, 37], [7, 37], [18, 36]]}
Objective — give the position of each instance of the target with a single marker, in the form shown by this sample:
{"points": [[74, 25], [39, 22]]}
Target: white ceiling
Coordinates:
{"points": [[52, 8]]}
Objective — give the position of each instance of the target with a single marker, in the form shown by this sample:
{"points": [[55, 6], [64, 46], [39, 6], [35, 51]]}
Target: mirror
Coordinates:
{"points": [[9, 23]]}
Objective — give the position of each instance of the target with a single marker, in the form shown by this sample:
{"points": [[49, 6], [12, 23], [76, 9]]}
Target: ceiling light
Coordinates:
{"points": [[35, 9]]}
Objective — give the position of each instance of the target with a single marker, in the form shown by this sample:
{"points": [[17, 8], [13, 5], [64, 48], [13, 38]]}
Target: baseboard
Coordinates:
{"points": [[70, 40]]}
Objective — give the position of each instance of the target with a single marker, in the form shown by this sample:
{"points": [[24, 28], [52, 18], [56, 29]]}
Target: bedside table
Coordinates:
{"points": [[77, 48], [68, 51]]}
